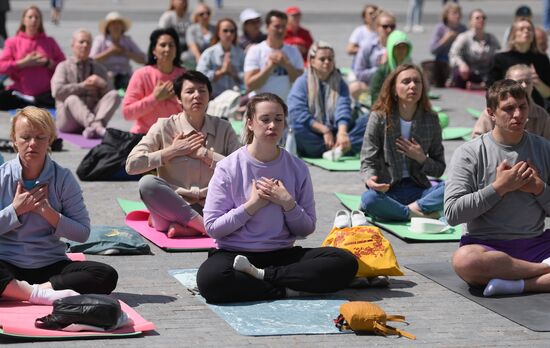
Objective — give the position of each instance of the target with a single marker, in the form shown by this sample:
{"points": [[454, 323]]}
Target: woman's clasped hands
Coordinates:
{"points": [[35, 200], [265, 191]]}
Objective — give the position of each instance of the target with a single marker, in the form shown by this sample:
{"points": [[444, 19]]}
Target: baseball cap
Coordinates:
{"points": [[293, 10], [523, 11], [249, 14]]}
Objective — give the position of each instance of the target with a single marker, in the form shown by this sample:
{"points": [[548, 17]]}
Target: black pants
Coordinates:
{"points": [[85, 277], [317, 270], [8, 101]]}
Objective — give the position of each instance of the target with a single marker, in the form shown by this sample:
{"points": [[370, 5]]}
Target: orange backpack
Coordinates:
{"points": [[363, 316]]}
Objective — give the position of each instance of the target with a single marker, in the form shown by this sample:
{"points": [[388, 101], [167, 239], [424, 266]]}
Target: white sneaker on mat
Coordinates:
{"points": [[342, 219], [333, 154], [358, 218]]}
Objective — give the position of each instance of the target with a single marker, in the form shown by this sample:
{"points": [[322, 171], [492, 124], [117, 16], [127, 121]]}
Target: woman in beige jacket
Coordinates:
{"points": [[184, 149]]}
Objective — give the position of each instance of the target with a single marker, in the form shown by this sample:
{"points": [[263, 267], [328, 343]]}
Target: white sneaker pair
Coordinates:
{"points": [[344, 219], [333, 154]]}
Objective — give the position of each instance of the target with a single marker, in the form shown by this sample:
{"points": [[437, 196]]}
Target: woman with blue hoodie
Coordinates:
{"points": [[398, 49], [320, 109]]}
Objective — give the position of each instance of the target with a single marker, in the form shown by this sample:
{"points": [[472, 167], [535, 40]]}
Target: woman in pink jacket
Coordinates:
{"points": [[29, 59], [150, 93]]}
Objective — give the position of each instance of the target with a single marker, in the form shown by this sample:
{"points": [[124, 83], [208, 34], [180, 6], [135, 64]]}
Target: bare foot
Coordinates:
{"points": [[414, 211], [176, 230], [150, 221]]}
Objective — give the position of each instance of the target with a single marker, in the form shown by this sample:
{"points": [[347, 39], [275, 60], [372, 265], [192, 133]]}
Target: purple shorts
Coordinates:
{"points": [[531, 249]]}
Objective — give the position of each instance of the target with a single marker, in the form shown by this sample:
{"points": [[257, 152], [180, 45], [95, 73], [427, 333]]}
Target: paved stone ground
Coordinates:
{"points": [[437, 316]]}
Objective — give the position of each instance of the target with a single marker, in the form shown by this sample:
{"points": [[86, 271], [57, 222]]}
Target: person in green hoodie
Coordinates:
{"points": [[398, 51]]}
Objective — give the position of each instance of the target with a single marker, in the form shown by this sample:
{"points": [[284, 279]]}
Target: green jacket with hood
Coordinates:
{"points": [[395, 38]]}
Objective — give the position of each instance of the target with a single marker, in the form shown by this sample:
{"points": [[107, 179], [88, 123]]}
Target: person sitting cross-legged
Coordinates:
{"points": [[260, 201], [498, 186], [84, 95]]}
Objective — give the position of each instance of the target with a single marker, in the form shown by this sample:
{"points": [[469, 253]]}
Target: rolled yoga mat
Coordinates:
{"points": [[527, 310], [289, 316], [402, 228]]}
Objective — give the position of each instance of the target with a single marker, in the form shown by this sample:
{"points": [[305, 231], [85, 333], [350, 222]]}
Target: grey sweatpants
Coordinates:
{"points": [[75, 115], [164, 204]]}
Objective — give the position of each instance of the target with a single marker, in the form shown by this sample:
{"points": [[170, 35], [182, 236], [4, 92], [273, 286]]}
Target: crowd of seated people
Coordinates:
{"points": [[250, 194]]}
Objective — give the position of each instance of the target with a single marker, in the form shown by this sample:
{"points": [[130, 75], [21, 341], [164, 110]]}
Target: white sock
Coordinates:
{"points": [[43, 296], [503, 287], [242, 264], [546, 261], [292, 293]]}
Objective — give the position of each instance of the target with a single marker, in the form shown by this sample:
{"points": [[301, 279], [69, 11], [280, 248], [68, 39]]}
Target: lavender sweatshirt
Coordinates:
{"points": [[271, 228]]}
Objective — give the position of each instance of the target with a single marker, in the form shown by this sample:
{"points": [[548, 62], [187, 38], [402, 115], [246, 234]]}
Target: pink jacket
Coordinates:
{"points": [[139, 103], [31, 80]]}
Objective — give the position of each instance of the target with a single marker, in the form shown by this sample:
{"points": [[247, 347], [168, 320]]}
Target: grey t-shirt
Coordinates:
{"points": [[470, 197]]}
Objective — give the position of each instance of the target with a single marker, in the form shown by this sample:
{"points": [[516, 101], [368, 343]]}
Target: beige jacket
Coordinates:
{"points": [[189, 177], [538, 123]]}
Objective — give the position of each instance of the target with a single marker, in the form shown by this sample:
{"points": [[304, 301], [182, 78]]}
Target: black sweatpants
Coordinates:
{"points": [[317, 270], [8, 101], [85, 277]]}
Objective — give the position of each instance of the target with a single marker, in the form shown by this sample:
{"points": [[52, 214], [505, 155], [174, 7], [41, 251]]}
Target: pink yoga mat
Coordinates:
{"points": [[138, 221], [17, 319], [79, 140]]}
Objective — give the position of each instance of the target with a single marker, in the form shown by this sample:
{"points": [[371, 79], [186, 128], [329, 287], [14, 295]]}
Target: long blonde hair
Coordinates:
{"points": [[314, 96]]}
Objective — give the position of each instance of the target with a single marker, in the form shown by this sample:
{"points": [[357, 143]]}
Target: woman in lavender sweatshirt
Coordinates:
{"points": [[260, 201]]}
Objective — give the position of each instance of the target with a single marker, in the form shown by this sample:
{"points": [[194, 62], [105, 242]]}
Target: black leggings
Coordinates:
{"points": [[317, 270], [8, 101], [85, 277]]}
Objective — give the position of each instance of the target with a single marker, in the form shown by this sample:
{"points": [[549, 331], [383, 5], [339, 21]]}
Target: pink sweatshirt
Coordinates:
{"points": [[31, 80], [139, 103]]}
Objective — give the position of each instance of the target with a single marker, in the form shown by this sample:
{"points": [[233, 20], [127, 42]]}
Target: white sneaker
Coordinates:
{"points": [[417, 29], [358, 218], [333, 154], [342, 219]]}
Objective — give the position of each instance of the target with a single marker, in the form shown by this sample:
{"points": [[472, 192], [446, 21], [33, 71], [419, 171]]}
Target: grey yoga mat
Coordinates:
{"points": [[528, 310]]}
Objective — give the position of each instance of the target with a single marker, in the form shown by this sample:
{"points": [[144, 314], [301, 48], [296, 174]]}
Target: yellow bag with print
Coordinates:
{"points": [[373, 251]]}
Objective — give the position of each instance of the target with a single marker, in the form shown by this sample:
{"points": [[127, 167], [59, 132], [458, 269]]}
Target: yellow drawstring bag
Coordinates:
{"points": [[373, 251], [363, 316]]}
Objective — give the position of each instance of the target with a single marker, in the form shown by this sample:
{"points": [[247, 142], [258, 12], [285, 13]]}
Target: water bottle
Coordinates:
{"points": [[290, 143]]}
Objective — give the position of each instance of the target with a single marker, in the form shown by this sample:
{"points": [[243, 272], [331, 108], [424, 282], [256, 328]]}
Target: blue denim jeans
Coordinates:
{"points": [[393, 205], [311, 144]]}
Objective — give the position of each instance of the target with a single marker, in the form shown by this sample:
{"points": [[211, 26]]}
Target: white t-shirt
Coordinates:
{"points": [[361, 34], [278, 82]]}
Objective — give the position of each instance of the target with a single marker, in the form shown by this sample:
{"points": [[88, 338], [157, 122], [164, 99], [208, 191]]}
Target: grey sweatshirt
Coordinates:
{"points": [[470, 197]]}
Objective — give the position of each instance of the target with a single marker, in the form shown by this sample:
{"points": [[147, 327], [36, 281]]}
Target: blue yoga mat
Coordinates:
{"points": [[293, 316]]}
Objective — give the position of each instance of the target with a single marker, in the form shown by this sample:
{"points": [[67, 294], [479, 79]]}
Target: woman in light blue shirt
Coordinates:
{"points": [[223, 62], [41, 202]]}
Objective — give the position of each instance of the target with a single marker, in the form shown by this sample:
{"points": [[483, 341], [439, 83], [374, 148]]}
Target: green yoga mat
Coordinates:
{"points": [[434, 96], [237, 126], [345, 164], [437, 108], [443, 119], [129, 206], [474, 112], [454, 133], [401, 229]]}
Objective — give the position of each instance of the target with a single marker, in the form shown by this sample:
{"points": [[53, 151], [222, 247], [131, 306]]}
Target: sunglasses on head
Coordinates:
{"points": [[388, 26]]}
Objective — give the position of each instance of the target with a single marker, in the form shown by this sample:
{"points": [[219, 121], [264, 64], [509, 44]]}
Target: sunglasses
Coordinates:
{"points": [[231, 31], [388, 26], [480, 17], [203, 14]]}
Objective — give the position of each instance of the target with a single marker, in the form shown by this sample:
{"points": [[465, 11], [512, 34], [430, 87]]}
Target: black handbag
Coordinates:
{"points": [[97, 310], [107, 160]]}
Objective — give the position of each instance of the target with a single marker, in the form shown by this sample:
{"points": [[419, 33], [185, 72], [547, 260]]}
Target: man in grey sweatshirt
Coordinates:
{"points": [[498, 187]]}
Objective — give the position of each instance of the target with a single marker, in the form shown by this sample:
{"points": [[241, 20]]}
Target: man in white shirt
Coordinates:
{"points": [[272, 66]]}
